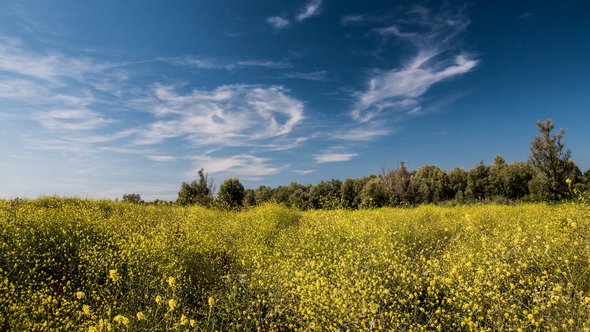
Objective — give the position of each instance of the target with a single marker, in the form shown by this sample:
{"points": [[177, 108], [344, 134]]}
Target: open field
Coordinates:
{"points": [[71, 264]]}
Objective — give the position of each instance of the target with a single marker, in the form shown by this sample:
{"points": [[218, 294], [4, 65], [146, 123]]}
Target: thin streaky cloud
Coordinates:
{"points": [[204, 63], [333, 157], [71, 119], [319, 76], [246, 166], [278, 23], [304, 171], [310, 10]]}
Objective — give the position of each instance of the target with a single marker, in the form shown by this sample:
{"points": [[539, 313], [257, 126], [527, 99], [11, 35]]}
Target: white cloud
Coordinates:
{"points": [[202, 63], [243, 166], [310, 10], [304, 171], [366, 132], [399, 89], [161, 158], [333, 157], [319, 76], [71, 119], [278, 23], [230, 115]]}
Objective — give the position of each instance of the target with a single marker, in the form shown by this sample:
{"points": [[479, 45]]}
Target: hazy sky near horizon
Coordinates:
{"points": [[102, 98]]}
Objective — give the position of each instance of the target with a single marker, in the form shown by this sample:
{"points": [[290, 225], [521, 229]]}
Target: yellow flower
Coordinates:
{"points": [[114, 275], [183, 320], [172, 304], [140, 316], [80, 295], [211, 301], [159, 299], [86, 310], [171, 282], [192, 322], [120, 319]]}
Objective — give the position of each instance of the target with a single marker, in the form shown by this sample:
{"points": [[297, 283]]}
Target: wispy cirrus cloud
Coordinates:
{"points": [[281, 22], [278, 22], [364, 132], [304, 171], [245, 166], [437, 58], [334, 155], [71, 119], [318, 76], [206, 63], [230, 115], [310, 10]]}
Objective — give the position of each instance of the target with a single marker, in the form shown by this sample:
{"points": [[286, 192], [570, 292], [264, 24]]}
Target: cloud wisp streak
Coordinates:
{"points": [[333, 157], [245, 166], [434, 37], [311, 9], [210, 64]]}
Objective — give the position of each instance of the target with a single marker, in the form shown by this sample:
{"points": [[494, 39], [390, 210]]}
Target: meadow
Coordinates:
{"points": [[87, 265]]}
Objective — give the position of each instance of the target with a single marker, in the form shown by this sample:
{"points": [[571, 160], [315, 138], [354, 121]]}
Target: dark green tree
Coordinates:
{"points": [[231, 194], [552, 161], [518, 175], [430, 184], [132, 198], [397, 184], [497, 178], [350, 193], [458, 183], [200, 192], [325, 195], [477, 181], [263, 194], [373, 194]]}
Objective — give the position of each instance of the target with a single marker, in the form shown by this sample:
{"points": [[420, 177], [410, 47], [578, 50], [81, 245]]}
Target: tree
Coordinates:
{"points": [[497, 178], [325, 195], [231, 193], [551, 161], [519, 175], [477, 181], [197, 192], [350, 193], [373, 194], [132, 198], [458, 182], [430, 184], [397, 184]]}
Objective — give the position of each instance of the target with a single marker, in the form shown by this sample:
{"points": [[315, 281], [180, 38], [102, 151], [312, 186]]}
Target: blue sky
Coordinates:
{"points": [[110, 97]]}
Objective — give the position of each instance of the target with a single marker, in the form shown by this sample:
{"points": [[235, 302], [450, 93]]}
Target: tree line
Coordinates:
{"points": [[548, 175]]}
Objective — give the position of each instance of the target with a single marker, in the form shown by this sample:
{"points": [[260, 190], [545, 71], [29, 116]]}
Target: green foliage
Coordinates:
{"points": [[132, 198], [552, 162], [373, 194], [477, 182], [196, 192], [350, 193], [430, 184], [231, 194]]}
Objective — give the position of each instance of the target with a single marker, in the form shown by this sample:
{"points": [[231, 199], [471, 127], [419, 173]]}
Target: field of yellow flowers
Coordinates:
{"points": [[85, 265]]}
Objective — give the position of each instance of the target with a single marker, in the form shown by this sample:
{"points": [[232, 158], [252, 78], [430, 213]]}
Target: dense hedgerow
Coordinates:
{"points": [[71, 264]]}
